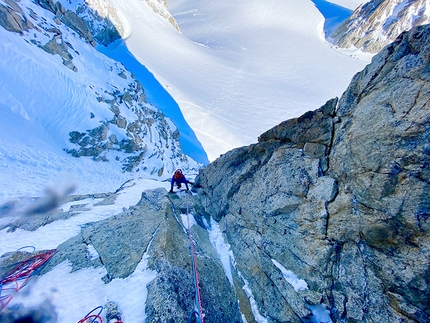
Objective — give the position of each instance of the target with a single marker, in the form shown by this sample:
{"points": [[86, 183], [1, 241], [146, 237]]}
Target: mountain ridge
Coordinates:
{"points": [[376, 23]]}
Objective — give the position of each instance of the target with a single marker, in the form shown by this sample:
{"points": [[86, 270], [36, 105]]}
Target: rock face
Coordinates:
{"points": [[377, 23], [102, 19], [338, 197], [154, 229]]}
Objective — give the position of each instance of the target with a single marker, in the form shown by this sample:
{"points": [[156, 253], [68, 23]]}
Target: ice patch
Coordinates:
{"points": [[258, 317], [92, 252], [298, 284], [222, 248], [188, 221]]}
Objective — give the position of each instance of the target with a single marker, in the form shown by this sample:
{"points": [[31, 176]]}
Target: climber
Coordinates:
{"points": [[179, 179]]}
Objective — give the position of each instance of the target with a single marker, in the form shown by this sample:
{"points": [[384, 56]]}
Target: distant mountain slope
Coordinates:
{"points": [[59, 95], [377, 23]]}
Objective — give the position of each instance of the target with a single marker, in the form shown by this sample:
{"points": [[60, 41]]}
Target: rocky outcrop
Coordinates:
{"points": [[102, 19], [73, 21], [153, 230], [12, 17], [383, 176], [149, 135], [161, 8], [86, 22], [352, 220], [377, 23]]}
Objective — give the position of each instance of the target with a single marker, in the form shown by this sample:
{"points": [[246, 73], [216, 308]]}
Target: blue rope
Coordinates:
{"points": [[101, 309]]}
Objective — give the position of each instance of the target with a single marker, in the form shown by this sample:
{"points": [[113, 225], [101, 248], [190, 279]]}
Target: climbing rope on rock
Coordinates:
{"points": [[95, 318], [198, 308]]}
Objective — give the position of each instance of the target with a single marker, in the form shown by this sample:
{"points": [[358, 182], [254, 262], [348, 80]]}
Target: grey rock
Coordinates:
{"points": [[270, 186], [47, 4], [376, 23], [314, 150], [154, 227], [102, 20], [13, 19], [57, 46], [384, 201], [312, 127], [113, 139], [72, 20], [121, 122], [353, 222]]}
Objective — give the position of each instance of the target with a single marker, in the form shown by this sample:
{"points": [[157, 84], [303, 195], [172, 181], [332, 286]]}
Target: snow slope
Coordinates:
{"points": [[239, 68], [42, 101]]}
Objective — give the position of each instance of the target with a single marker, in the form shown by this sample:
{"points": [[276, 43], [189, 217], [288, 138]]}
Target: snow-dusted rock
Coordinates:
{"points": [[161, 8], [376, 23], [271, 199], [382, 166], [154, 230], [12, 18], [356, 230]]}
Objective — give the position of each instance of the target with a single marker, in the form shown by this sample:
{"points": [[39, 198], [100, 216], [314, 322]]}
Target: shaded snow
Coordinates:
{"points": [[222, 248]]}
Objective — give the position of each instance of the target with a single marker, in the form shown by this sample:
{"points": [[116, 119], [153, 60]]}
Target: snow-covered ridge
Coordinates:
{"points": [[377, 23], [59, 94]]}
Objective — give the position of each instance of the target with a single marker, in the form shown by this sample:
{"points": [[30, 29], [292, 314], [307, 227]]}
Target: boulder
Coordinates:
{"points": [[78, 24], [13, 19]]}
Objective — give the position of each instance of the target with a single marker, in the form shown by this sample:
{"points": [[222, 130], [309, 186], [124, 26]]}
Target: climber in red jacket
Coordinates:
{"points": [[179, 179]]}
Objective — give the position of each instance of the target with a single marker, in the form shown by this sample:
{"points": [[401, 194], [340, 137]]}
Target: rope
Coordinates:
{"points": [[96, 318], [197, 302], [19, 276], [93, 316]]}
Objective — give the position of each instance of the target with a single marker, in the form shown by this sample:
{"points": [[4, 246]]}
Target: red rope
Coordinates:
{"points": [[195, 271], [20, 275], [87, 318]]}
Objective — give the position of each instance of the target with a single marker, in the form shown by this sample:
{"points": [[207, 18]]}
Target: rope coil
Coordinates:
{"points": [[18, 277]]}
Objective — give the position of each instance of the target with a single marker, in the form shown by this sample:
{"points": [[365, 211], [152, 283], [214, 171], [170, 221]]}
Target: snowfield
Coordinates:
{"points": [[239, 68]]}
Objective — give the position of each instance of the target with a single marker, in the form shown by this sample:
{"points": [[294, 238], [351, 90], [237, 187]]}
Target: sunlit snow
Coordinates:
{"points": [[239, 68]]}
